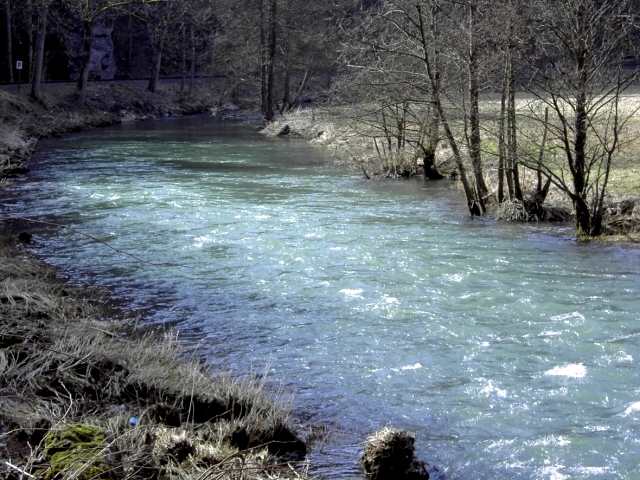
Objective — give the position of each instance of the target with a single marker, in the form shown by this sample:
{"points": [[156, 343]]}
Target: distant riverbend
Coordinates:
{"points": [[511, 350]]}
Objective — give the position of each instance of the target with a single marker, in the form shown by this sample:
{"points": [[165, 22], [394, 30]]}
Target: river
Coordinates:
{"points": [[512, 351]]}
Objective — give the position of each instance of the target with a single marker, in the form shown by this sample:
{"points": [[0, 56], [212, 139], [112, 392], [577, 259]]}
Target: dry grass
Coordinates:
{"points": [[63, 364]]}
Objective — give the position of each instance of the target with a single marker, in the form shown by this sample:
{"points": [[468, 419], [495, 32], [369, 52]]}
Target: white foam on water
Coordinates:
{"points": [[572, 318], [572, 370], [553, 472], [624, 357], [415, 366], [199, 242], [594, 470], [550, 333], [391, 300], [313, 236], [455, 277], [352, 292], [631, 409], [552, 441], [490, 389]]}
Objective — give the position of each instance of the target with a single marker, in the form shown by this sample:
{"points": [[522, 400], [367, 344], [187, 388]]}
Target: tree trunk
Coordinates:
{"points": [[583, 217], [130, 42], [30, 46], [263, 58], [9, 32], [157, 66], [194, 61], [475, 207], [87, 47], [270, 61], [41, 37], [286, 87], [429, 169], [183, 66], [513, 134], [502, 150], [474, 111]]}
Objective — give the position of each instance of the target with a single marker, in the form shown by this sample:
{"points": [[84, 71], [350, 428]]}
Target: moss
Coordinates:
{"points": [[77, 448]]}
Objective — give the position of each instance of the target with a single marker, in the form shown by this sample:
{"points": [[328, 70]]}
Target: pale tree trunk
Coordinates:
{"points": [[512, 144], [474, 205], [433, 135], [270, 60], [286, 97], [87, 47], [41, 37], [301, 87], [9, 32], [502, 150], [263, 58], [474, 110]]}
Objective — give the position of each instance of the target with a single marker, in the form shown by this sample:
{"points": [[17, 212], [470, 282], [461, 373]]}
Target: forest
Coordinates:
{"points": [[523, 87]]}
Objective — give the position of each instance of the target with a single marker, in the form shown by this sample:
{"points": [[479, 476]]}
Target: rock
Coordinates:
{"points": [[230, 107], [390, 455], [284, 131], [25, 237], [103, 62], [239, 438], [280, 440], [164, 414]]}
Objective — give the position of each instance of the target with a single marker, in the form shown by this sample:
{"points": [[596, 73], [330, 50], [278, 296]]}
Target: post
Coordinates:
{"points": [[19, 67]]}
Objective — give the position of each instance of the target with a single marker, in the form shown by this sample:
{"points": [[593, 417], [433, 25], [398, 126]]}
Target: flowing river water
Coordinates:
{"points": [[512, 351]]}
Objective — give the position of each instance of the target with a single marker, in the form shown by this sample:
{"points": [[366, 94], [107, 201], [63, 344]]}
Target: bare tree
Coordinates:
{"points": [[41, 35], [268, 44], [580, 78]]}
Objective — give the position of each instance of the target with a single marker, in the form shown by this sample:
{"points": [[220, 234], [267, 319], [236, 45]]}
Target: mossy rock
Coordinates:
{"points": [[77, 449]]}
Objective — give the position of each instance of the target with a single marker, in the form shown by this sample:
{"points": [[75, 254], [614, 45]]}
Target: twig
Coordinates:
{"points": [[19, 470]]}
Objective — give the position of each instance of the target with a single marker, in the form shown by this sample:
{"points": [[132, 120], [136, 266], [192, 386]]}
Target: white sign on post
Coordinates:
{"points": [[19, 65]]}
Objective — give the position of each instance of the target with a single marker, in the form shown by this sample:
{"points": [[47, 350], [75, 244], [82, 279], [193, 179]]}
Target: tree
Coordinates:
{"points": [[41, 35], [580, 78], [89, 12], [9, 38], [268, 44], [160, 17]]}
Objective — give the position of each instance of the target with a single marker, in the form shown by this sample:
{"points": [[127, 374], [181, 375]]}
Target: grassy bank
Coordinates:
{"points": [[84, 392], [349, 139]]}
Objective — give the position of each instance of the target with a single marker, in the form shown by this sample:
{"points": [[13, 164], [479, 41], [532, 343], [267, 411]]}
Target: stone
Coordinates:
{"points": [[390, 455]]}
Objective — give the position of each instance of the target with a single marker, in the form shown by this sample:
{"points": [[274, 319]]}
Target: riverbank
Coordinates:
{"points": [[341, 132], [23, 122], [85, 391]]}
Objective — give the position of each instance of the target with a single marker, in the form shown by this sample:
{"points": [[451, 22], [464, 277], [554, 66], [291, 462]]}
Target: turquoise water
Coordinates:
{"points": [[512, 351]]}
